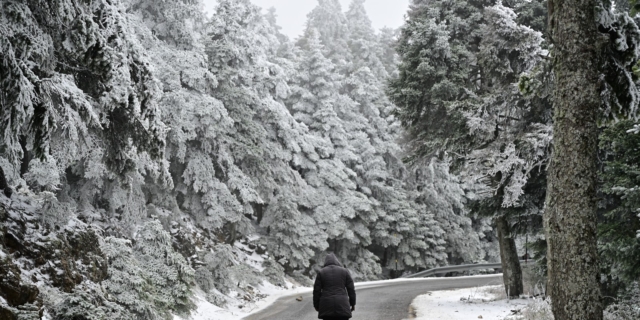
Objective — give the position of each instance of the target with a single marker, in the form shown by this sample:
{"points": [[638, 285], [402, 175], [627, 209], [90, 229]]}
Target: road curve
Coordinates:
{"points": [[388, 300]]}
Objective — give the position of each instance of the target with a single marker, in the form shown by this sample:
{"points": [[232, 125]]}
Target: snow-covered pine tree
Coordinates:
{"points": [[532, 14], [618, 241], [401, 226], [293, 236], [238, 41], [498, 136], [100, 81], [389, 57], [80, 96], [331, 24], [363, 42], [173, 22], [437, 67], [344, 213], [618, 221], [215, 149], [511, 133], [149, 278], [370, 152], [441, 195], [199, 123]]}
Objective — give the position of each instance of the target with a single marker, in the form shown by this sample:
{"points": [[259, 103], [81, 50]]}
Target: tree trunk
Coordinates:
{"points": [[385, 257], [511, 270], [570, 217], [259, 210], [232, 234], [26, 156], [4, 185]]}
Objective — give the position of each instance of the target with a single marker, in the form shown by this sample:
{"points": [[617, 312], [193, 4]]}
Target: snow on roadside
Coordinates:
{"points": [[207, 311], [274, 293], [463, 304]]}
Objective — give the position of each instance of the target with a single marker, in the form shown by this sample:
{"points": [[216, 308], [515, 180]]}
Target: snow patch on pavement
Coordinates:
{"points": [[463, 304]]}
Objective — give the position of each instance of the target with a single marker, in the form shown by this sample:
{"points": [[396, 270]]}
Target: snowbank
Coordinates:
{"points": [[463, 304], [207, 311]]}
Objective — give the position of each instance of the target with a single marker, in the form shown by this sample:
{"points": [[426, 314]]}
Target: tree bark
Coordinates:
{"points": [[26, 156], [385, 257], [232, 233], [4, 185], [570, 217], [259, 210], [511, 270]]}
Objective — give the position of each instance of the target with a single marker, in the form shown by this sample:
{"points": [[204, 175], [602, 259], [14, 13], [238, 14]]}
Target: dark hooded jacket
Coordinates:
{"points": [[333, 291]]}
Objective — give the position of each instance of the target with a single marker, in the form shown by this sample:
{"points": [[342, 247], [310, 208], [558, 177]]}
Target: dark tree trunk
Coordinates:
{"points": [[511, 270], [232, 233], [570, 215], [334, 248], [4, 185], [26, 156], [259, 210], [385, 257]]}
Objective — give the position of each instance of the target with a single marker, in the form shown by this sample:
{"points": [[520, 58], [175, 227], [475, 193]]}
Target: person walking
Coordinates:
{"points": [[334, 295]]}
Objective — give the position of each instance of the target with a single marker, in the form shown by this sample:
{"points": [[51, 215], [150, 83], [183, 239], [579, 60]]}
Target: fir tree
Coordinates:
{"points": [[475, 110], [331, 24], [618, 222], [436, 48], [100, 81], [149, 278]]}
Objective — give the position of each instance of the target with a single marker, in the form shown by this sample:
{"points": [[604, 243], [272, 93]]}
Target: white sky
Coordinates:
{"points": [[292, 14]]}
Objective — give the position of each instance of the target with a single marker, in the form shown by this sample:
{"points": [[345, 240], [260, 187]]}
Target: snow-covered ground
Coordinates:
{"points": [[208, 311], [464, 304]]}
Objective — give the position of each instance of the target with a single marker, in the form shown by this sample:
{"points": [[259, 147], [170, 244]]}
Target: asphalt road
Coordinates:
{"points": [[389, 300]]}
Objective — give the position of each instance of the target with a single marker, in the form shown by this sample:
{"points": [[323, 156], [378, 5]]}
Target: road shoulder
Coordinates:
{"points": [[464, 304]]}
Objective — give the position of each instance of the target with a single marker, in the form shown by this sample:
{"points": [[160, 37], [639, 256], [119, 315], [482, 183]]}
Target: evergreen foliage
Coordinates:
{"points": [[149, 278], [65, 76], [330, 22], [89, 302], [442, 196], [364, 136], [619, 245], [184, 137], [626, 307], [473, 85], [437, 68]]}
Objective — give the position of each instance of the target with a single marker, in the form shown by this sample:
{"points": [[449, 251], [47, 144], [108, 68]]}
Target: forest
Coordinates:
{"points": [[151, 151]]}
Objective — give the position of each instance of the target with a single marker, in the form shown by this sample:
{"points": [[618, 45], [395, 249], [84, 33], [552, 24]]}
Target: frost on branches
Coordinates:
{"points": [[213, 153]]}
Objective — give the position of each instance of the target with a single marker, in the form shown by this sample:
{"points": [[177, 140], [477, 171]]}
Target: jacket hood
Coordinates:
{"points": [[331, 260]]}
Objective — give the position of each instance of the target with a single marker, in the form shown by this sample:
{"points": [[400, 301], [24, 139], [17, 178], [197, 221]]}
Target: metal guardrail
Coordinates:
{"points": [[459, 268]]}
